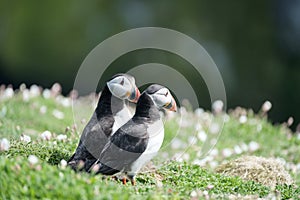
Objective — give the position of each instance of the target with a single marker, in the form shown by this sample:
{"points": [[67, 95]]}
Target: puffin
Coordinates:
{"points": [[137, 141], [111, 113]]}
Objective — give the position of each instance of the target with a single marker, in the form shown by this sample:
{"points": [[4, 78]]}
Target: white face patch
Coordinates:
{"points": [[162, 97], [120, 87]]}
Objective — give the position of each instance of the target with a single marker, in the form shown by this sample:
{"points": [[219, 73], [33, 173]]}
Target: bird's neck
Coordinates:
{"points": [[108, 105], [146, 109]]}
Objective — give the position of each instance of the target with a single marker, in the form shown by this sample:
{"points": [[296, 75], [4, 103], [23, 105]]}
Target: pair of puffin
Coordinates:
{"points": [[115, 142]]}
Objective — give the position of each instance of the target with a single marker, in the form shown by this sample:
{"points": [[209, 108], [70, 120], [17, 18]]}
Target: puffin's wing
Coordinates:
{"points": [[124, 147], [93, 139]]}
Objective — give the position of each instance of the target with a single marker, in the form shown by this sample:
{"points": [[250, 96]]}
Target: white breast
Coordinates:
{"points": [[156, 137], [121, 118]]}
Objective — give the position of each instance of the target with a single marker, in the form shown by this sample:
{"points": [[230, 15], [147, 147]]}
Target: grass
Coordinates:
{"points": [[184, 168]]}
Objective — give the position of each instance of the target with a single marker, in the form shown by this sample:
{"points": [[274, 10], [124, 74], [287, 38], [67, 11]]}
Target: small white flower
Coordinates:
{"points": [[25, 95], [178, 157], [253, 146], [217, 106], [227, 152], [243, 119], [192, 140], [34, 91], [8, 93], [46, 93], [43, 109], [199, 112], [46, 135], [33, 159], [290, 121], [186, 156], [63, 163], [213, 164], [66, 102], [198, 127], [159, 184], [176, 143], [244, 147], [202, 136], [194, 194], [4, 144], [58, 114], [25, 138], [209, 187], [237, 149], [266, 106], [22, 87], [258, 127], [55, 89], [61, 137], [214, 128], [214, 152]]}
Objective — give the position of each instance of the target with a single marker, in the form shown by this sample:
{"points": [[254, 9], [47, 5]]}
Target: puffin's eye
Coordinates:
{"points": [[122, 82], [166, 94]]}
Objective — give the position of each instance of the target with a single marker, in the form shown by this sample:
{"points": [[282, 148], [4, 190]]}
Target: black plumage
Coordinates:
{"points": [[98, 130], [130, 141]]}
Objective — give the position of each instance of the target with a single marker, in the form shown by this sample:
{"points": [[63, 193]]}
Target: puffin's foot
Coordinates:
{"points": [[133, 182], [124, 180], [132, 179]]}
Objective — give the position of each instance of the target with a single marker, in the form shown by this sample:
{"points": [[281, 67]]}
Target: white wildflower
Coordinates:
{"points": [[176, 143], [214, 152], [25, 138], [58, 114], [209, 187], [227, 152], [8, 93], [290, 121], [217, 106], [4, 144], [46, 135], [194, 194], [253, 146], [33, 159], [244, 147], [63, 163], [237, 149], [214, 128], [202, 136], [22, 87], [55, 89], [199, 112], [46, 93], [243, 119], [66, 102], [258, 127], [266, 106], [192, 140], [34, 91], [213, 164], [198, 127], [61, 137], [43, 109], [25, 95], [159, 184]]}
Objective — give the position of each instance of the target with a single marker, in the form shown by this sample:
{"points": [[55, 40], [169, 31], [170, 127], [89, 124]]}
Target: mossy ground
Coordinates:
{"points": [[182, 170]]}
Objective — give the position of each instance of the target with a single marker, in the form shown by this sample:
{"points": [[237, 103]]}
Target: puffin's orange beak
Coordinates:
{"points": [[172, 105], [136, 95]]}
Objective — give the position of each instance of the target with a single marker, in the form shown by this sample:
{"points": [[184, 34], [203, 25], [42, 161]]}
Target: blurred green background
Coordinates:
{"points": [[255, 44]]}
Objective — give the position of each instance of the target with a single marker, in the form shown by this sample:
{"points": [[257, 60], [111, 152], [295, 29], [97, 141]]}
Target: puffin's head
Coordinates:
{"points": [[162, 97], [123, 86]]}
